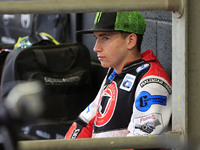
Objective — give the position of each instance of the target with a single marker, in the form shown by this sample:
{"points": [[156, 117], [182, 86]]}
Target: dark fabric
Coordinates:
{"points": [[57, 25], [14, 26], [63, 69], [3, 56]]}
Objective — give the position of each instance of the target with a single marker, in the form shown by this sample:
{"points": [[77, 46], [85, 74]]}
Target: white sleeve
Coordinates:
{"points": [[90, 110], [152, 107]]}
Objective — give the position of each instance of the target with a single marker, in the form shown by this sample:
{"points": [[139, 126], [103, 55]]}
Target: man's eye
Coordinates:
{"points": [[105, 38]]}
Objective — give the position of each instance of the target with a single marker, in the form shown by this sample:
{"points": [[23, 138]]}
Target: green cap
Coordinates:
{"points": [[127, 21]]}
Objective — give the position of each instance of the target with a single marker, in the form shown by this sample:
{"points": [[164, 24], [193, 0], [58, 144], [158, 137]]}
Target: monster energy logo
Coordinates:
{"points": [[98, 16]]}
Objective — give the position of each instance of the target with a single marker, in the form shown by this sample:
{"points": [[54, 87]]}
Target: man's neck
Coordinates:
{"points": [[131, 58]]}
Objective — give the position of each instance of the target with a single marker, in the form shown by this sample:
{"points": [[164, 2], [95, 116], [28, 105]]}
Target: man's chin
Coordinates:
{"points": [[104, 65]]}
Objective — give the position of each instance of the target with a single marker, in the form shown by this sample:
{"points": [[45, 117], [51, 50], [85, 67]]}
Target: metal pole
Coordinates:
{"points": [[79, 6], [193, 72], [169, 140], [180, 72], [185, 72]]}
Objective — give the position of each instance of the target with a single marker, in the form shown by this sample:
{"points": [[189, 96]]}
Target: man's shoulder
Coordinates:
{"points": [[156, 69]]}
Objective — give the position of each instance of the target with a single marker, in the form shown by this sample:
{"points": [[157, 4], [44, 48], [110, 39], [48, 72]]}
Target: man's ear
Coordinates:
{"points": [[132, 40]]}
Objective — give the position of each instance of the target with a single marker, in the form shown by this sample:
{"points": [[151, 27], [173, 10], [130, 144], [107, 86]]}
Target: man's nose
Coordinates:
{"points": [[97, 47]]}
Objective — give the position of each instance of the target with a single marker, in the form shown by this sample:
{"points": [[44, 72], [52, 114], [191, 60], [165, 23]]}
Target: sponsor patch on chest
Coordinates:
{"points": [[107, 104], [127, 82], [142, 68]]}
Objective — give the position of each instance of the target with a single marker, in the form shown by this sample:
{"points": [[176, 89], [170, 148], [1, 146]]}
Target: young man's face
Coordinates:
{"points": [[111, 49]]}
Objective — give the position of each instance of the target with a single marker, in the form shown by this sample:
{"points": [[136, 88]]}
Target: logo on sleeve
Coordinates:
{"points": [[156, 80], [127, 82], [149, 124], [145, 100]]}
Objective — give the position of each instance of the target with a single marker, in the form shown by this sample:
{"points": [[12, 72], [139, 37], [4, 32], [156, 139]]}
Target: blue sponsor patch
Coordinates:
{"points": [[127, 82], [142, 68], [145, 100]]}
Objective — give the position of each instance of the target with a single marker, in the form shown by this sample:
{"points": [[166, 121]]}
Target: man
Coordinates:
{"points": [[135, 96]]}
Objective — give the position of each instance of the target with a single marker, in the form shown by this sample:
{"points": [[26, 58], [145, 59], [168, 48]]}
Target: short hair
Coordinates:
{"points": [[139, 39]]}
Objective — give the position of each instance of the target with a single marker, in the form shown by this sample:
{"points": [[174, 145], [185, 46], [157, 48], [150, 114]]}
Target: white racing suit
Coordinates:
{"points": [[135, 102]]}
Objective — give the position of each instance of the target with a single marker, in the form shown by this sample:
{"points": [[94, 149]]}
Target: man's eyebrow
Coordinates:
{"points": [[103, 34]]}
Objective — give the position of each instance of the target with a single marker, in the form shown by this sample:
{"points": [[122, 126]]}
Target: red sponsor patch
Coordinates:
{"points": [[107, 104]]}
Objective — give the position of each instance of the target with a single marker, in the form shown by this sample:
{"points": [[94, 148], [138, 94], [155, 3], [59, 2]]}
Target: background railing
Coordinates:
{"points": [[169, 140], [70, 6]]}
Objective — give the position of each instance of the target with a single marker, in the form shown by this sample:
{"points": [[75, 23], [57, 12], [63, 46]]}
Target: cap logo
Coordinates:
{"points": [[98, 17]]}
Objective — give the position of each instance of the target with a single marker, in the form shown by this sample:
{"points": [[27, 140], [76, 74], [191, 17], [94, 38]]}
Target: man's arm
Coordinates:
{"points": [[80, 129], [152, 107], [83, 126]]}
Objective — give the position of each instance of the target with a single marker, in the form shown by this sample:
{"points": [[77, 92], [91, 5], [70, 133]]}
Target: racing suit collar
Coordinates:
{"points": [[132, 65], [146, 56]]}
